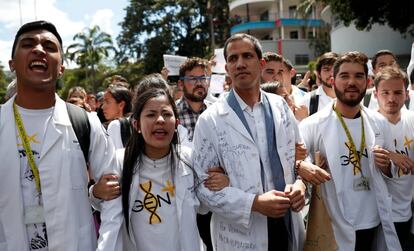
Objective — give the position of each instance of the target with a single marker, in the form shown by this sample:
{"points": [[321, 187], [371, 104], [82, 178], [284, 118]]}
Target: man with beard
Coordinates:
{"points": [[194, 82], [319, 98], [391, 92], [345, 133]]}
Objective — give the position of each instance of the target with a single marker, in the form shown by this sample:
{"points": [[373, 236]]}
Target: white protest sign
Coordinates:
{"points": [[172, 63], [220, 61], [216, 83]]}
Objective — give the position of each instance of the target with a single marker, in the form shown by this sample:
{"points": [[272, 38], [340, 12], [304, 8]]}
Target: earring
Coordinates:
{"points": [[139, 131]]}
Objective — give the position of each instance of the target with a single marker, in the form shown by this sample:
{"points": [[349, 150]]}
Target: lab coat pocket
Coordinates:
{"points": [[78, 169]]}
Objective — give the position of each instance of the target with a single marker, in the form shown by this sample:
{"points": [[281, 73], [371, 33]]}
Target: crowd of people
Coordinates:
{"points": [[202, 172]]}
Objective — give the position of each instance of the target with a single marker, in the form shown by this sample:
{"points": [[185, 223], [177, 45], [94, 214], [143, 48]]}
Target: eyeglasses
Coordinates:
{"points": [[193, 80]]}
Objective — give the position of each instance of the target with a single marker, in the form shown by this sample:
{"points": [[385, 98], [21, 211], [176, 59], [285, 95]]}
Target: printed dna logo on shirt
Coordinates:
{"points": [[152, 202]]}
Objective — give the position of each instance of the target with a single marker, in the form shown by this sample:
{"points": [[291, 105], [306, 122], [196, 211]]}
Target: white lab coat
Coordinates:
{"points": [[64, 181], [113, 234], [222, 140], [320, 133]]}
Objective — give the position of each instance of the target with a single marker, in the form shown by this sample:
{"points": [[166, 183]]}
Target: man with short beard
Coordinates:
{"points": [[319, 98], [194, 82], [348, 135]]}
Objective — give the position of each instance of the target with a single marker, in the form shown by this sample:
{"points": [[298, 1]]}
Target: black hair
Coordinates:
{"points": [[241, 36], [191, 63], [351, 57], [121, 93], [37, 25], [136, 146], [327, 58], [271, 87], [271, 56], [154, 80], [379, 54]]}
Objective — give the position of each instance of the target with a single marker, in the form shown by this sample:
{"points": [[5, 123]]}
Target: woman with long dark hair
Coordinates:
{"points": [[158, 204]]}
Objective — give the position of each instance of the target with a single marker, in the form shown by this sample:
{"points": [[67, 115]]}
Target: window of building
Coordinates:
{"points": [[292, 11], [294, 35], [264, 16], [310, 34], [301, 59]]}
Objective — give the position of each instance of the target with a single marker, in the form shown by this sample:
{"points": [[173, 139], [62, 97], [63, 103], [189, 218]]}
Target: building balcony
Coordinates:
{"points": [[269, 22], [237, 4], [296, 50], [293, 22], [254, 25]]}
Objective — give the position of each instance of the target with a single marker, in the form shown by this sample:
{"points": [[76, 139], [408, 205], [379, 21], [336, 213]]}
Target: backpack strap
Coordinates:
{"points": [[80, 124], [367, 97], [125, 130], [314, 103], [407, 103]]}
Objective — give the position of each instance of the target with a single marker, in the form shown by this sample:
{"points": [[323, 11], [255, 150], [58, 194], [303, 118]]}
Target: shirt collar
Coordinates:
{"points": [[242, 104]]}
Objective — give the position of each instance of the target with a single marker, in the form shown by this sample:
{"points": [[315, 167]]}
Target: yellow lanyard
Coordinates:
{"points": [[351, 141], [26, 145]]}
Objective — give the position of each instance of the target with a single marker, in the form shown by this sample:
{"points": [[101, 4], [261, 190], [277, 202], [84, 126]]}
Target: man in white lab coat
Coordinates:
{"points": [[252, 135], [44, 200], [345, 133], [391, 92]]}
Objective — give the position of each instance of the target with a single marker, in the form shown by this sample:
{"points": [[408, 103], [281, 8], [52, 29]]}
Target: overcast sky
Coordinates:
{"points": [[69, 16]]}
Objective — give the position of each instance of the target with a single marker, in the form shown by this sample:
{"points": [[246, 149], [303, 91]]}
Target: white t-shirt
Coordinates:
{"points": [[401, 185], [323, 100], [297, 95], [360, 207], [154, 212], [35, 123]]}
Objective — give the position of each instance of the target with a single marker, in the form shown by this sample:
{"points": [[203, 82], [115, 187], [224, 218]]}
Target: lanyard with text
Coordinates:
{"points": [[26, 145], [357, 168]]}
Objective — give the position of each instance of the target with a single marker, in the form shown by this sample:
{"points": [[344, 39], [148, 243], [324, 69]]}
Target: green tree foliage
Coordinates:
{"points": [[91, 48], [321, 43], [152, 28], [397, 14], [4, 81]]}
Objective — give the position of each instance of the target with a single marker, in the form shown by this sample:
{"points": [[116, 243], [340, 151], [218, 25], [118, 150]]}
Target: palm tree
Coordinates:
{"points": [[92, 47]]}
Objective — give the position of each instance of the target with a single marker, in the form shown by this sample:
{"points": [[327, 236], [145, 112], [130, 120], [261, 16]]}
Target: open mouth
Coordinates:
{"points": [[38, 66], [160, 132]]}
